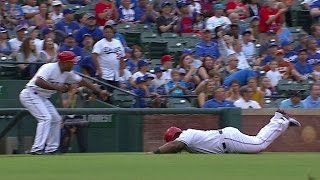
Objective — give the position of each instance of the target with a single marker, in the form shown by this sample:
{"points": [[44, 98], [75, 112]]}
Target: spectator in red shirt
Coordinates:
{"points": [[106, 10], [271, 18], [185, 23], [238, 7]]}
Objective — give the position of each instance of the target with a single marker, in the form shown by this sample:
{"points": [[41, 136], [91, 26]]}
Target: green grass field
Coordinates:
{"points": [[138, 166]]}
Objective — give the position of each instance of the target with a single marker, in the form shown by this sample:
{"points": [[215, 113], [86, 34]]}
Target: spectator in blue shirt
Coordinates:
{"points": [[177, 86], [302, 39], [242, 76], [144, 13], [5, 48], [294, 101], [67, 24], [219, 99], [272, 50], [305, 69], [313, 55], [141, 91], [207, 46], [313, 100], [289, 54], [90, 28], [70, 45]]}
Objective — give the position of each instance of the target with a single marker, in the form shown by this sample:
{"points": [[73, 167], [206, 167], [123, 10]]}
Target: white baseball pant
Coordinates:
{"points": [[237, 142], [49, 121]]}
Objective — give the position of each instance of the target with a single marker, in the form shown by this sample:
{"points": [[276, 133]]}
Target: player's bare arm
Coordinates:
{"points": [[47, 85], [102, 93], [170, 147], [96, 64]]}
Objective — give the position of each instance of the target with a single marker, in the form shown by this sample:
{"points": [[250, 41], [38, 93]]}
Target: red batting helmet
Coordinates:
{"points": [[67, 56], [170, 133]]}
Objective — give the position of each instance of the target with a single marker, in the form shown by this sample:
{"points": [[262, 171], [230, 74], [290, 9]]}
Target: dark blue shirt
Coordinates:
{"points": [[96, 34], [291, 56], [242, 76], [213, 103], [266, 60], [132, 66], [202, 49], [303, 69], [139, 102], [313, 58], [67, 27], [8, 50]]}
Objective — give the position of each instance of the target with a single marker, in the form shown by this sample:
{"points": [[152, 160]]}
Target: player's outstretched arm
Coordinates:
{"points": [[170, 147], [102, 93]]}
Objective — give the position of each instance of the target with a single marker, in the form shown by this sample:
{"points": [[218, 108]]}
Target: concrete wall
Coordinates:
{"points": [[294, 139]]}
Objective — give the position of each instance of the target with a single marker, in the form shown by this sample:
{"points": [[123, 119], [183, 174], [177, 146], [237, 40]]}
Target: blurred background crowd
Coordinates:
{"points": [[185, 53]]}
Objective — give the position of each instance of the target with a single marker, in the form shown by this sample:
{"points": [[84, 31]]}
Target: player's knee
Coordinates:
{"points": [[56, 119], [45, 118]]}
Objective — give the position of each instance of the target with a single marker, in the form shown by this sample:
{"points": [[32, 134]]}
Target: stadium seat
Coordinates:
{"points": [[178, 103], [169, 35], [157, 49], [122, 99], [133, 38]]}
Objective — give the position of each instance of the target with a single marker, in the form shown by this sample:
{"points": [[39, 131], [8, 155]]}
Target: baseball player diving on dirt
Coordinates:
{"points": [[49, 79], [226, 140]]}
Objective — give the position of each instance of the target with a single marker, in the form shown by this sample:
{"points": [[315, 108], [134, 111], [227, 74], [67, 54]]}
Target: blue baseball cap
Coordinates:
{"points": [[87, 64], [140, 79], [69, 35], [68, 11], [181, 4], [46, 31], [128, 50], [143, 63], [21, 27], [272, 45], [285, 43], [159, 69], [187, 51], [148, 76], [167, 3], [218, 6], [86, 35]]}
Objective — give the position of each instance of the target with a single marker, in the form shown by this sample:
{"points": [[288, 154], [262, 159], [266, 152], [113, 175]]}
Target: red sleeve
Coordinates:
{"points": [[99, 8], [231, 5], [264, 16]]}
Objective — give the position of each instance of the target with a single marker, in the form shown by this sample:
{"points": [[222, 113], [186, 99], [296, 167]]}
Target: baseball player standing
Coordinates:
{"points": [[226, 140], [51, 78]]}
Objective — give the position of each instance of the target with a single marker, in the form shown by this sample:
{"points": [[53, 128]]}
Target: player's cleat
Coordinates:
{"points": [[293, 122], [52, 153], [36, 153]]}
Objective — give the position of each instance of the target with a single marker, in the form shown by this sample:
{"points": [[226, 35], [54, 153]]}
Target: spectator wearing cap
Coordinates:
{"points": [[71, 45], [177, 86], [248, 47], [143, 69], [56, 14], [312, 47], [286, 68], [289, 54], [271, 54], [167, 63], [313, 100], [218, 19], [136, 56], [186, 21], [167, 22], [116, 34], [294, 101], [30, 9], [199, 23], [49, 52], [17, 41], [142, 91], [87, 43], [271, 17], [158, 4], [207, 46], [105, 10], [90, 28], [235, 20], [5, 48], [108, 57], [246, 102], [236, 6], [144, 13], [159, 82], [68, 24], [43, 15], [302, 42], [126, 12], [302, 66], [219, 99], [15, 15], [254, 27]]}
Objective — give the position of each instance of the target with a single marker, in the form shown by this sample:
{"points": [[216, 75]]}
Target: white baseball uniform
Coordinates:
{"points": [[231, 140], [35, 99]]}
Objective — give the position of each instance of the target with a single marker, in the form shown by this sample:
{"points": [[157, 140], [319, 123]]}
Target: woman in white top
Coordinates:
{"points": [[27, 54], [49, 52]]}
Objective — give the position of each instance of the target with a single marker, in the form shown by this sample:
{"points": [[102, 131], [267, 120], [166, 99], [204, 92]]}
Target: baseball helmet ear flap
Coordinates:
{"points": [[171, 134]]}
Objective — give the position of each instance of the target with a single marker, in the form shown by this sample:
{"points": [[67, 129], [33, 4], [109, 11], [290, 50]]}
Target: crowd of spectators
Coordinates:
{"points": [[245, 48]]}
